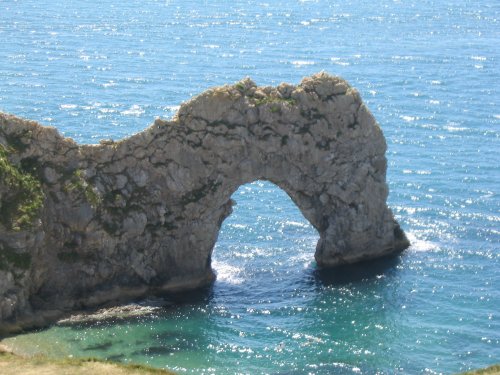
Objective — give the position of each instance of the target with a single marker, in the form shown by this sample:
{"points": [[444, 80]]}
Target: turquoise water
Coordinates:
{"points": [[428, 70]]}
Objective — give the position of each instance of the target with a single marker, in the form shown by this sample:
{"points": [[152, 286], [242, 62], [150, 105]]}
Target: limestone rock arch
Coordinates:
{"points": [[123, 219]]}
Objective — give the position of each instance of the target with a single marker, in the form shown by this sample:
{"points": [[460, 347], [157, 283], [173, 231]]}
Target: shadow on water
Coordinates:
{"points": [[202, 295], [178, 338], [104, 346], [332, 369], [336, 276], [156, 350], [354, 273], [113, 321]]}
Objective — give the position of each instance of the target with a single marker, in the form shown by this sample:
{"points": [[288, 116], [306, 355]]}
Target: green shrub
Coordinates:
{"points": [[9, 257], [77, 182], [21, 203]]}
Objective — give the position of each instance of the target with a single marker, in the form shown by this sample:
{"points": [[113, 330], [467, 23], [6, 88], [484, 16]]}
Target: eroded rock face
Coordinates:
{"points": [[123, 219]]}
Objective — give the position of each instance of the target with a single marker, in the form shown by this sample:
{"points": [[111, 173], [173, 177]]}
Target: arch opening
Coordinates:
{"points": [[266, 237]]}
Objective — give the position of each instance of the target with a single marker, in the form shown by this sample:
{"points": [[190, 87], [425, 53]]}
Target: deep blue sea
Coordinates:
{"points": [[430, 73]]}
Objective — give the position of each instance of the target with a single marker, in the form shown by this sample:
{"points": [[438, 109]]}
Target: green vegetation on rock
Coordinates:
{"points": [[240, 86], [23, 198], [258, 100], [77, 182], [9, 257], [19, 141]]}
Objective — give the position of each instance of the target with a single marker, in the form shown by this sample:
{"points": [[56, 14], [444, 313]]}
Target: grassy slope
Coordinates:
{"points": [[492, 370], [11, 364]]}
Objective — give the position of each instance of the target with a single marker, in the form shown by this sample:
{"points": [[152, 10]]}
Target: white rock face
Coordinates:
{"points": [[120, 220]]}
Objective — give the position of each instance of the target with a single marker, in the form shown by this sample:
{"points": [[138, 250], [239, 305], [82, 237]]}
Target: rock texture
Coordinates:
{"points": [[83, 225]]}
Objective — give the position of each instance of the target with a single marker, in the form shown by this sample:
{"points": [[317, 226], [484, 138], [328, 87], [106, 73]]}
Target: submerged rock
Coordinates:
{"points": [[121, 312], [119, 220]]}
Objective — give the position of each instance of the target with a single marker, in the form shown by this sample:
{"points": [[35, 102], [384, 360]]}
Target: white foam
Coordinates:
{"points": [[227, 273], [68, 106], [295, 224], [397, 57], [107, 110], [299, 63], [408, 118], [339, 61], [109, 84], [135, 110], [452, 128], [305, 258], [172, 108], [238, 226], [420, 245]]}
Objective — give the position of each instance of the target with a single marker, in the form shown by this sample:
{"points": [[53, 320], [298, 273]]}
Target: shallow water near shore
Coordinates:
{"points": [[428, 71]]}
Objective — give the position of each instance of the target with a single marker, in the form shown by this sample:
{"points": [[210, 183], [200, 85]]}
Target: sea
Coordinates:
{"points": [[429, 71]]}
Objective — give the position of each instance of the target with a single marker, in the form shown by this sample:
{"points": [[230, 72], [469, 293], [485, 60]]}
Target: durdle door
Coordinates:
{"points": [[83, 225]]}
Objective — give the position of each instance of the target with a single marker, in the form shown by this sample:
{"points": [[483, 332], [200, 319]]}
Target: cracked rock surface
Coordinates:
{"points": [[124, 219]]}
